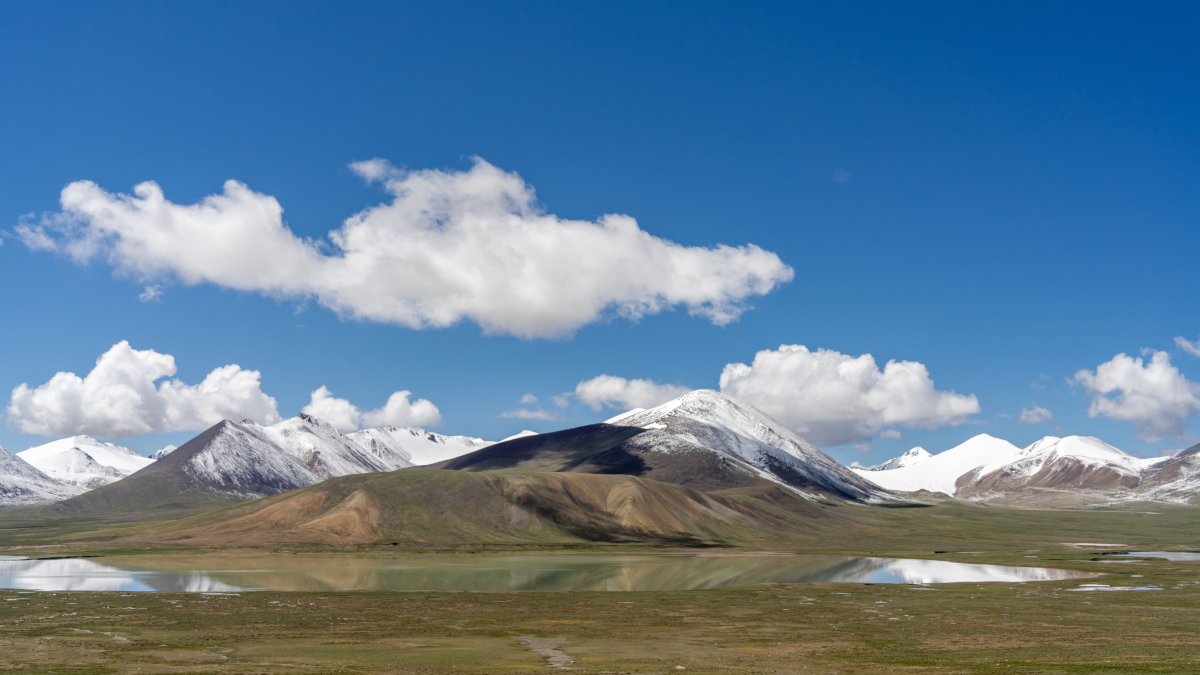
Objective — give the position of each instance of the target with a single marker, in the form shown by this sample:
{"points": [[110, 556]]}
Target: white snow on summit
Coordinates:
{"points": [[986, 468], [707, 420], [401, 447], [21, 483], [84, 461], [1087, 450], [326, 451], [940, 473], [917, 454], [243, 459]]}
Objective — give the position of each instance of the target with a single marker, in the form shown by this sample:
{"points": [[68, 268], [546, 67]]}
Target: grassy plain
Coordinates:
{"points": [[1043, 627]]}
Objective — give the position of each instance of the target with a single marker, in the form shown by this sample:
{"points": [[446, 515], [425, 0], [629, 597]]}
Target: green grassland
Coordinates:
{"points": [[1042, 627]]}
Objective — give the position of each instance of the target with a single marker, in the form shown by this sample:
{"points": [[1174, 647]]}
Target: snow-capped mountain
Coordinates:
{"points": [[399, 447], [941, 472], [707, 421], [21, 483], [324, 450], [159, 454], [243, 460], [1074, 463], [917, 454], [1175, 478], [85, 461], [238, 458], [1074, 469]]}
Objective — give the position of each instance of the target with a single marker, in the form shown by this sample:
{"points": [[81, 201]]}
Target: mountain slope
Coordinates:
{"points": [[703, 440], [403, 447], [23, 484], [434, 506], [85, 461]]}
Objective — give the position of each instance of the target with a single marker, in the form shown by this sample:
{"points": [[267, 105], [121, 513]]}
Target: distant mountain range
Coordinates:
{"points": [[703, 441], [231, 461], [1074, 470]]}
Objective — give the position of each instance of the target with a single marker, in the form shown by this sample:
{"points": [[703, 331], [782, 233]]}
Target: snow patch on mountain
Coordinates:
{"points": [[84, 461], [402, 447], [521, 434], [159, 454], [323, 449], [23, 484], [707, 420]]}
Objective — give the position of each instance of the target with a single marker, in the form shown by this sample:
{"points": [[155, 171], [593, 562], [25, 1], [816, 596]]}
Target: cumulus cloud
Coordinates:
{"points": [[1155, 396], [1188, 346], [528, 398], [618, 392], [534, 414], [398, 412], [119, 398], [1035, 415], [832, 398], [449, 246]]}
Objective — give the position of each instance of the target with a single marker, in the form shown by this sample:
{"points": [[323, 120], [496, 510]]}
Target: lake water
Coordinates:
{"points": [[566, 572], [1178, 556]]}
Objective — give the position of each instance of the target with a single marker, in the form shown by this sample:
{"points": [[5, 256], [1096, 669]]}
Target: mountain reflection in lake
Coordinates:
{"points": [[493, 573]]}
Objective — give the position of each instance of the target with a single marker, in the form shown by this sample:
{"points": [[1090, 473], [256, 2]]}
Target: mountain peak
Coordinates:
{"points": [[910, 457]]}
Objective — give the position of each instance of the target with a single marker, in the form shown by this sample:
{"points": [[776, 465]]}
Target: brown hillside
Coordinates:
{"points": [[430, 506]]}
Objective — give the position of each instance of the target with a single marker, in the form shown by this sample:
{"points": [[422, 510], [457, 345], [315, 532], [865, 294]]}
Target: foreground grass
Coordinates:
{"points": [[776, 628]]}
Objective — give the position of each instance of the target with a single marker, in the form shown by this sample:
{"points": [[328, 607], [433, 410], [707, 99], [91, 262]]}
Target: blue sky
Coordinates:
{"points": [[1006, 195]]}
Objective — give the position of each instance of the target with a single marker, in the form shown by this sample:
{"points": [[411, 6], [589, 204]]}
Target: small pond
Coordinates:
{"points": [[564, 572], [1177, 556]]}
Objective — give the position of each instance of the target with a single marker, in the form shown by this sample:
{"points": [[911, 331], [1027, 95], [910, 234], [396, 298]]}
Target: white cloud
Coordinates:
{"points": [[1188, 346], [398, 412], [153, 292], [618, 392], [528, 398], [1035, 415], [536, 414], [841, 176], [1155, 396], [449, 246], [119, 399], [833, 399], [893, 434]]}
